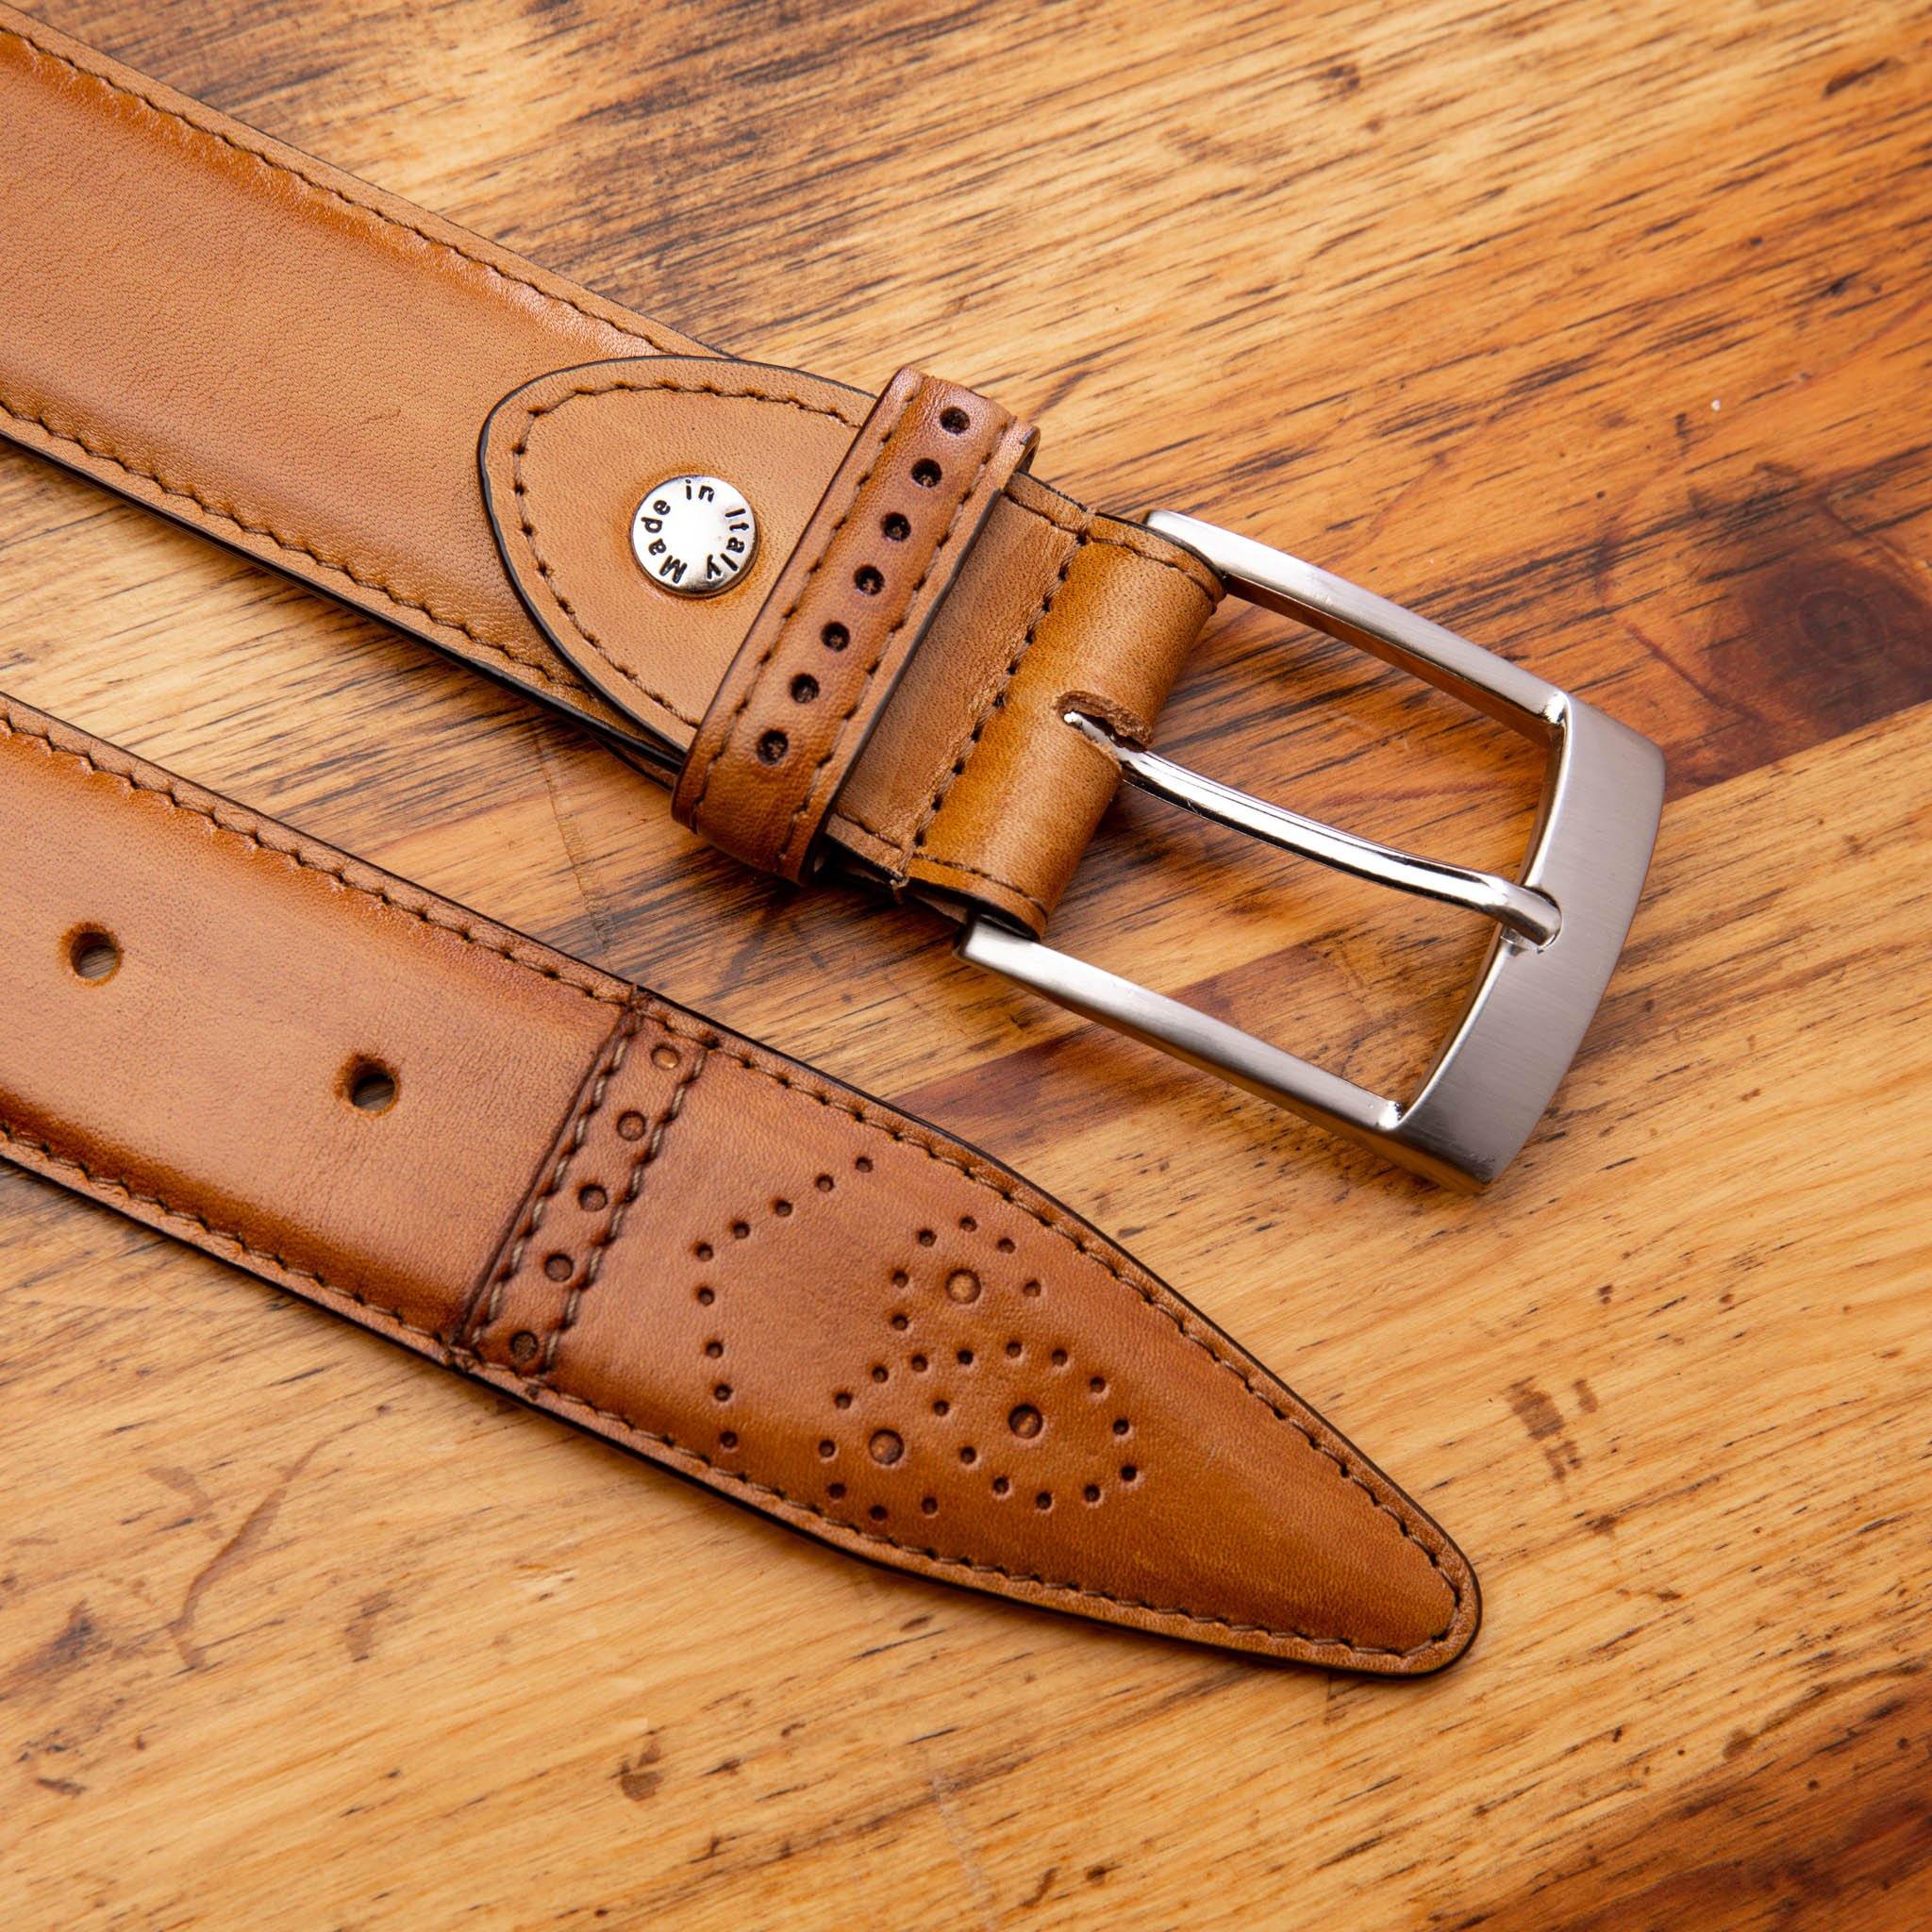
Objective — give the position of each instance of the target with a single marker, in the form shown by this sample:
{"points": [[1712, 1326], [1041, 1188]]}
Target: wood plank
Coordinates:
{"points": [[1681, 1438], [293, 1631]]}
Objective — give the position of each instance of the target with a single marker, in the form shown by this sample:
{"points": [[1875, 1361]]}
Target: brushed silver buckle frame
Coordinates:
{"points": [[1560, 924]]}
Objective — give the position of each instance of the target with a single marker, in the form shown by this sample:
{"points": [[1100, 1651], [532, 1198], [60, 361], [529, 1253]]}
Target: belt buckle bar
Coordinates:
{"points": [[1560, 922]]}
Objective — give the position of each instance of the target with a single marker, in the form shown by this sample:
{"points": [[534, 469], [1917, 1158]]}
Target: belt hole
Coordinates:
{"points": [[927, 472], [369, 1086], [834, 637], [92, 954], [772, 747], [897, 528], [804, 688], [869, 579], [954, 420]]}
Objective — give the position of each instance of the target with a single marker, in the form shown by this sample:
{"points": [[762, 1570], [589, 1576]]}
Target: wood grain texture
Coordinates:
{"points": [[1601, 333]]}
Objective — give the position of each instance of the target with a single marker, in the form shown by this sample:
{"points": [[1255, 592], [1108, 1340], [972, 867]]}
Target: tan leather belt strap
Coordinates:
{"points": [[301, 366], [553, 1181], [809, 682]]}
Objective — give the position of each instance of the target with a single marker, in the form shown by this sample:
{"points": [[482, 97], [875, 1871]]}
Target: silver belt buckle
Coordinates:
{"points": [[1560, 925]]}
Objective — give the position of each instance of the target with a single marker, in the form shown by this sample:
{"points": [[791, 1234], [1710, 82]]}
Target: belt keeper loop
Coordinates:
{"points": [[850, 607]]}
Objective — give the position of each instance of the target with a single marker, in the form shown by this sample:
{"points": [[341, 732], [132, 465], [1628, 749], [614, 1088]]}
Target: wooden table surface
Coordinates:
{"points": [[1601, 333]]}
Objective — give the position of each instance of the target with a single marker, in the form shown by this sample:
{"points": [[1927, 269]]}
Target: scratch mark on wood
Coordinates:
{"points": [[184, 1483], [232, 1554], [1543, 1419], [1039, 1890], [637, 1777], [360, 1635], [69, 1646], [942, 1788]]}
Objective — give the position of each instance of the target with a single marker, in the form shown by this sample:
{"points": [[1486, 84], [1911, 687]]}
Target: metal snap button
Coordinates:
{"points": [[694, 536]]}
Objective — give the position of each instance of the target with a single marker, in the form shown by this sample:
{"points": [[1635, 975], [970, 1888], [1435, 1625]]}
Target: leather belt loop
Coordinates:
{"points": [[824, 654]]}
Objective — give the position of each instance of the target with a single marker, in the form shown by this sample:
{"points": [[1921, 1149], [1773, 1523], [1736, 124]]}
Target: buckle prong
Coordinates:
{"points": [[1562, 921], [1522, 910]]}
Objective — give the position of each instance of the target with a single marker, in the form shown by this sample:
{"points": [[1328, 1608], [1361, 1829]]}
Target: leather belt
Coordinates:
{"points": [[556, 1183], [849, 632]]}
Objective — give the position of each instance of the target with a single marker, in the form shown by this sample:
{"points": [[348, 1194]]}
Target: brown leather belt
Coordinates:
{"points": [[302, 366], [569, 1189], [849, 632]]}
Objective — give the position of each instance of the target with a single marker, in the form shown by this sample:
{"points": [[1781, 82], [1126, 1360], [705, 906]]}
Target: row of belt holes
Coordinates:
{"points": [[869, 580], [367, 1084]]}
